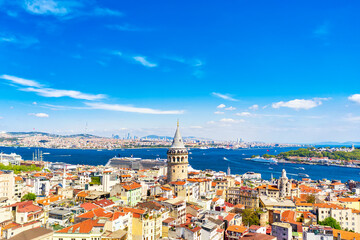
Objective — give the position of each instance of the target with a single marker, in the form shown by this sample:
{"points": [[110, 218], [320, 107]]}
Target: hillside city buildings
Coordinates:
{"points": [[170, 201]]}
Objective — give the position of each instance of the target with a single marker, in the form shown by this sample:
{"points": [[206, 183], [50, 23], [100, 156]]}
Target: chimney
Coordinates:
{"points": [[339, 236]]}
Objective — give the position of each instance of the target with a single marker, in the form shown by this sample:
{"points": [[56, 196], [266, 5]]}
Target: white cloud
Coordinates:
{"points": [[144, 62], [224, 96], [126, 28], [46, 7], [107, 12], [21, 41], [230, 108], [355, 98], [60, 107], [50, 92], [244, 114], [230, 120], [298, 104], [221, 106], [40, 115], [34, 103], [353, 119], [36, 87], [196, 127], [21, 81], [117, 53], [254, 107], [124, 108], [218, 112]]}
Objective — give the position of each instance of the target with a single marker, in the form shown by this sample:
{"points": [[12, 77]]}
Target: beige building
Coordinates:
{"points": [[246, 196], [177, 157], [7, 184], [347, 218]]}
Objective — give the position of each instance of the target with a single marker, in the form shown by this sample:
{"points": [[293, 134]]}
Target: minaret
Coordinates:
{"points": [[64, 177], [177, 157], [228, 171]]}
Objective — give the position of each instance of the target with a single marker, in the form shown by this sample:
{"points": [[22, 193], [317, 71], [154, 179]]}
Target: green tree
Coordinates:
{"points": [[250, 217], [95, 181], [331, 222], [29, 197], [310, 198]]}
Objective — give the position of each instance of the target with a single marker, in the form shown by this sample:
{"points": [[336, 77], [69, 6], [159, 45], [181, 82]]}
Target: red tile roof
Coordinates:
{"points": [[89, 206], [83, 227], [131, 186], [99, 212]]}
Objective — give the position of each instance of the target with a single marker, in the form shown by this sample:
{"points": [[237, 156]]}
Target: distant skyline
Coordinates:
{"points": [[271, 71]]}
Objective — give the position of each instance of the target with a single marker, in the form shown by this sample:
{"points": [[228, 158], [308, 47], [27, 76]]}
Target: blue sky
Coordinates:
{"points": [[274, 71]]}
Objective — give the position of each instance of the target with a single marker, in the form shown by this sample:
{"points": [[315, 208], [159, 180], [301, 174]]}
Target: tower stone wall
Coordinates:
{"points": [[177, 159]]}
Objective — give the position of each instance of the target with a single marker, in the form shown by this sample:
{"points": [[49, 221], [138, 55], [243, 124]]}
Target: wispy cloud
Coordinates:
{"points": [[254, 107], [355, 98], [244, 114], [221, 106], [224, 96], [218, 112], [36, 87], [124, 108], [230, 120], [107, 12], [48, 7], [298, 104], [126, 28], [231, 108], [51, 92], [322, 31], [21, 81], [61, 107], [142, 60], [195, 64], [353, 119], [39, 115], [67, 9], [21, 41]]}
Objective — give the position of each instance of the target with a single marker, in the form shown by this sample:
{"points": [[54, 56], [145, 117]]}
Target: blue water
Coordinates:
{"points": [[200, 160]]}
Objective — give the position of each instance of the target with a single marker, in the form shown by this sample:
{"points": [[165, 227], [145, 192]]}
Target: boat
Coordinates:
{"points": [[301, 168], [264, 160], [270, 168], [225, 159], [303, 175], [46, 153]]}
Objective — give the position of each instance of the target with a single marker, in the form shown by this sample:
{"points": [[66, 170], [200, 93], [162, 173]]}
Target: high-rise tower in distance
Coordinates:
{"points": [[177, 157]]}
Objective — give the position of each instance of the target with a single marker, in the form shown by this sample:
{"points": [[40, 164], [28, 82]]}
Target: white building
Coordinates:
{"points": [[12, 158]]}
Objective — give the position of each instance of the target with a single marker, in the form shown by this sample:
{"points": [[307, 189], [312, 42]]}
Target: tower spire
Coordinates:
{"points": [[177, 141]]}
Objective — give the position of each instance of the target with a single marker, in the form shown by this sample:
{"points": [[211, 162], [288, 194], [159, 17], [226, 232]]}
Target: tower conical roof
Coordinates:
{"points": [[177, 142]]}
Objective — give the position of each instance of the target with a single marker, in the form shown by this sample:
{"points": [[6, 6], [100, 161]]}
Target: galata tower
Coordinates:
{"points": [[177, 159]]}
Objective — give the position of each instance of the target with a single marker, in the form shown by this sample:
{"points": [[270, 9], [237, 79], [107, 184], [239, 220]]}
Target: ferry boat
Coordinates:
{"points": [[303, 175], [264, 160]]}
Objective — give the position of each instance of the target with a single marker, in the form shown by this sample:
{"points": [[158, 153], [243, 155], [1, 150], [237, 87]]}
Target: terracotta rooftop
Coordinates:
{"points": [[238, 229], [83, 227]]}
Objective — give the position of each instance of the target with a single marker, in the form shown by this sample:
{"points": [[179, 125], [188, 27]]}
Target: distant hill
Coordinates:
{"points": [[51, 134], [349, 143], [170, 138]]}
